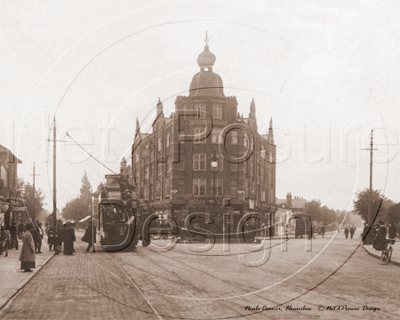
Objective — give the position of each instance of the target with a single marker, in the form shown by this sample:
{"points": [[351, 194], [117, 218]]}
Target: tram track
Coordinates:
{"points": [[140, 292], [230, 283], [307, 290], [240, 314]]}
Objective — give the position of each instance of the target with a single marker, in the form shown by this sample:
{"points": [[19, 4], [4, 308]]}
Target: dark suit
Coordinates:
{"points": [[68, 237], [380, 239]]}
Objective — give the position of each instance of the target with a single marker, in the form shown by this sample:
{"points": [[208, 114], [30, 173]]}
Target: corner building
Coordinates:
{"points": [[172, 166]]}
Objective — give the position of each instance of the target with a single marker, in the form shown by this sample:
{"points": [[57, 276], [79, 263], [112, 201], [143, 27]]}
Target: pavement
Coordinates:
{"points": [[377, 254], [12, 279]]}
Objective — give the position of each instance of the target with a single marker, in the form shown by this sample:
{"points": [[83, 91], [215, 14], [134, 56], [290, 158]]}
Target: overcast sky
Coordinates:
{"points": [[317, 67]]}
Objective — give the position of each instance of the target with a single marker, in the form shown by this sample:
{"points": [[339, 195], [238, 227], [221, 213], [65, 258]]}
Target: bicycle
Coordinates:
{"points": [[387, 252]]}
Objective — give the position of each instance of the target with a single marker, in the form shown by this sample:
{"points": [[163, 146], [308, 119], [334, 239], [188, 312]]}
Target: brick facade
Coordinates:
{"points": [[172, 164]]}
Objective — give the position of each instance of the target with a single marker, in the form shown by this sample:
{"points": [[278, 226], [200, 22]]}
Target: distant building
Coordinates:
{"points": [[172, 165], [296, 204], [286, 208]]}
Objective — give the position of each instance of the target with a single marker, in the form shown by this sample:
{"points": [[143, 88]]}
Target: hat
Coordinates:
{"points": [[381, 222]]}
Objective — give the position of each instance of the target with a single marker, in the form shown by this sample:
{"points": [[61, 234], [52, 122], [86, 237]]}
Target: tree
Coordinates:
{"points": [[79, 208], [362, 201], [393, 215], [313, 209], [86, 190], [27, 195], [74, 210]]}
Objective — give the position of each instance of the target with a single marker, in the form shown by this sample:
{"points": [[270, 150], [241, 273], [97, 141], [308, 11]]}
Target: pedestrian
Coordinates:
{"points": [[346, 232], [68, 238], [5, 240], [40, 238], [56, 241], [380, 237], [21, 230], [352, 230], [36, 237], [392, 231], [90, 237], [27, 256], [365, 234], [14, 236], [323, 230], [50, 238]]}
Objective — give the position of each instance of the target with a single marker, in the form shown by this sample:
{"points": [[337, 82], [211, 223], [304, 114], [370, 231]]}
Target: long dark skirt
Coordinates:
{"points": [[68, 247], [27, 265]]}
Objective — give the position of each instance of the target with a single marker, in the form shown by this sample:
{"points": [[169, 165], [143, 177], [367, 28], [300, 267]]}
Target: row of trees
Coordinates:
{"points": [[327, 216], [381, 209]]}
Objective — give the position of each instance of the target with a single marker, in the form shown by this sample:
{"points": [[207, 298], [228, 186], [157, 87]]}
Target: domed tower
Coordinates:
{"points": [[206, 82]]}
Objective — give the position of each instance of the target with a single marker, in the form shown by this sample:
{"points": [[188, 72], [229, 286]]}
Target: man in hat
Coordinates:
{"points": [[323, 230], [346, 232], [352, 230], [90, 236]]}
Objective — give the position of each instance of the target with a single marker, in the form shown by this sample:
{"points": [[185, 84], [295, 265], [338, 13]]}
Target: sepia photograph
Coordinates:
{"points": [[199, 159]]}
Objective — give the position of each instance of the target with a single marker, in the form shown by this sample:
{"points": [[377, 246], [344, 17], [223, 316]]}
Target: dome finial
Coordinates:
{"points": [[206, 59]]}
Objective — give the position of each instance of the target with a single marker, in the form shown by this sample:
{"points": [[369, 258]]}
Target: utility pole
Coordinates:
{"points": [[371, 161], [34, 194], [55, 173]]}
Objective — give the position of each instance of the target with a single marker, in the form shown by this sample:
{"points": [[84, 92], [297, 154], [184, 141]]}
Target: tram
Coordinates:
{"points": [[116, 220]]}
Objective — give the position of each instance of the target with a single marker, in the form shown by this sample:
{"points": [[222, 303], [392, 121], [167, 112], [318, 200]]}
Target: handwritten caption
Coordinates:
{"points": [[307, 308]]}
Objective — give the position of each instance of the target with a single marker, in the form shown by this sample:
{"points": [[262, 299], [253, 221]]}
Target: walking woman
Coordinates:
{"points": [[27, 256], [68, 237]]}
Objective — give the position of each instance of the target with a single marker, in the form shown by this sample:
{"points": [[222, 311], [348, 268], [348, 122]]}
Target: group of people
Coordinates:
{"points": [[64, 238], [32, 237], [9, 236], [349, 230], [377, 234]]}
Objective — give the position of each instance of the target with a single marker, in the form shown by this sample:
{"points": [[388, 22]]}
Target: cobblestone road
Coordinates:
{"points": [[181, 285]]}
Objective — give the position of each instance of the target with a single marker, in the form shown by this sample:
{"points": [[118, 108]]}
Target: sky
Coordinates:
{"points": [[325, 71]]}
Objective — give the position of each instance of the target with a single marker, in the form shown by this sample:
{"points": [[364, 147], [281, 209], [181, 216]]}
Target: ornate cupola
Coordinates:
{"points": [[206, 59], [206, 82]]}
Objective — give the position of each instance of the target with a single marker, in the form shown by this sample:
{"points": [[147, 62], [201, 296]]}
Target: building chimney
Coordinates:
{"points": [[289, 200]]}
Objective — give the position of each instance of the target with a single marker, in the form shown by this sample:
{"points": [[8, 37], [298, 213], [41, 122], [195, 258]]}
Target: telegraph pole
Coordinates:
{"points": [[371, 161], [371, 148], [55, 173], [34, 194]]}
